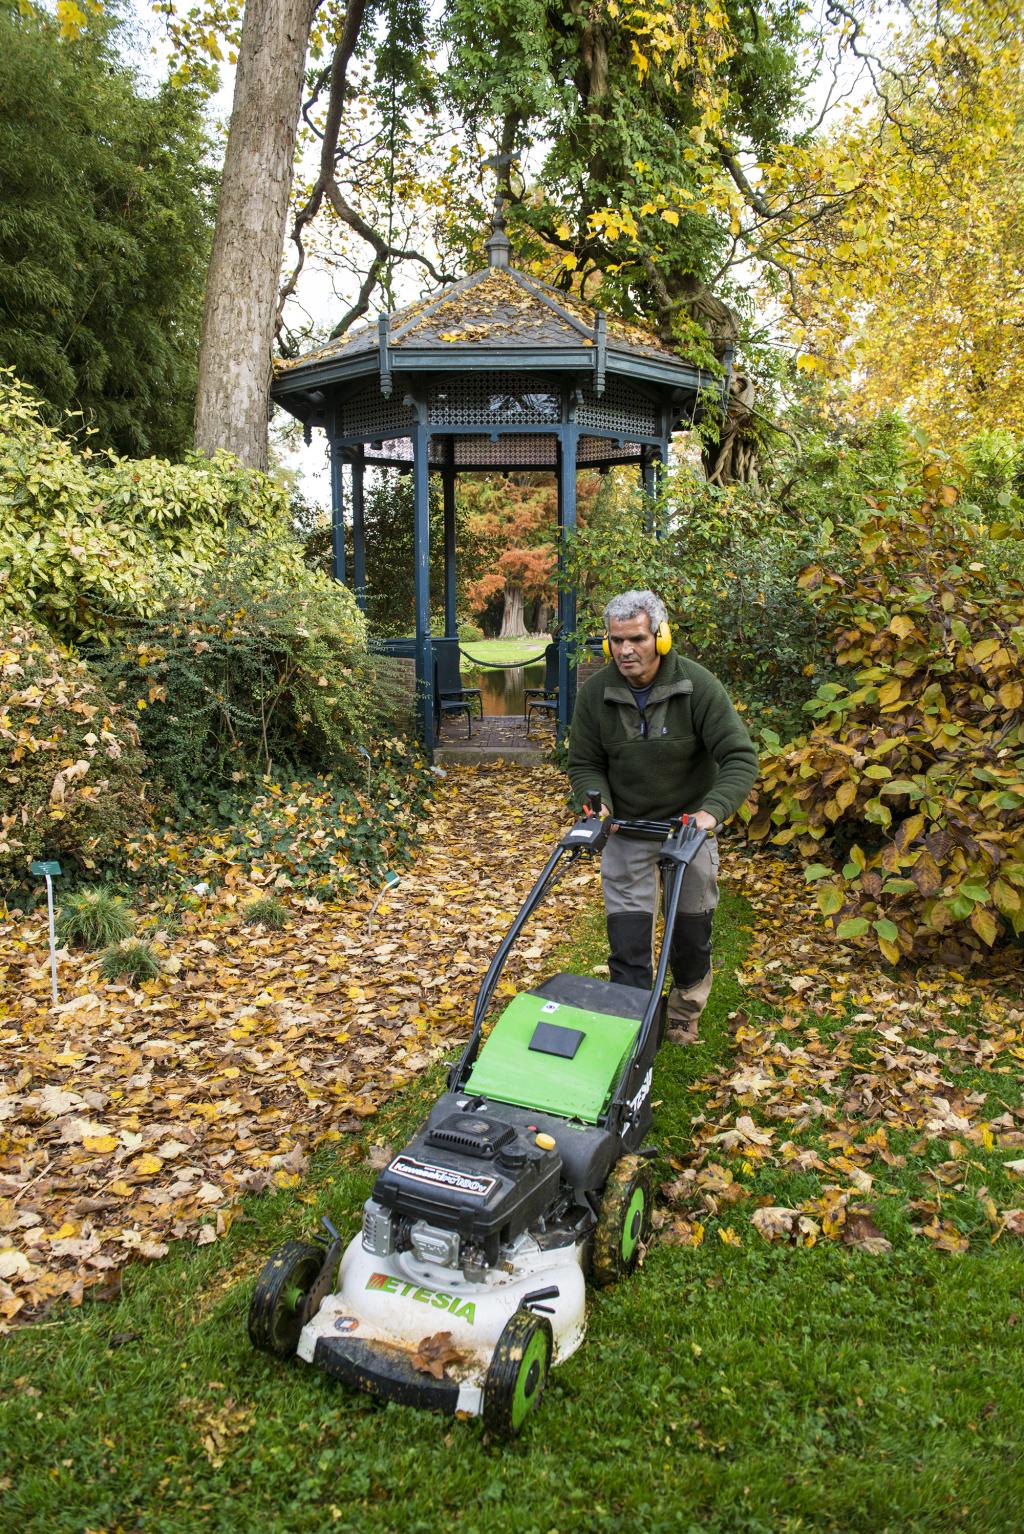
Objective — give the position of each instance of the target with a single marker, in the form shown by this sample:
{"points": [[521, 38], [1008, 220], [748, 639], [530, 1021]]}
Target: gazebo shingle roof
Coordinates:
{"points": [[492, 307]]}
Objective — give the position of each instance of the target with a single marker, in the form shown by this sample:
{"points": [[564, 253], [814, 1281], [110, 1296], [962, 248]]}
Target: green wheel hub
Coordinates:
{"points": [[517, 1373], [279, 1299], [632, 1225], [623, 1221], [530, 1379]]}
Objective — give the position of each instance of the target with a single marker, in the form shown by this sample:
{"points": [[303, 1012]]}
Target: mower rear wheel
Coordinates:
{"points": [[624, 1221], [517, 1373], [275, 1312]]}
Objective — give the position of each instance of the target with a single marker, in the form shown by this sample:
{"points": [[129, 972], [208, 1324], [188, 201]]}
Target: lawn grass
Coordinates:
{"points": [[749, 1390], [506, 652]]}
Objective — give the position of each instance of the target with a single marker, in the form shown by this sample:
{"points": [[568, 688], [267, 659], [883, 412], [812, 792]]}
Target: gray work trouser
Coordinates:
{"points": [[630, 882]]}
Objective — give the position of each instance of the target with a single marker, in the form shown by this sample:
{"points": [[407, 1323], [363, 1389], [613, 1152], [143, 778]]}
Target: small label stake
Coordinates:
{"points": [[48, 870]]}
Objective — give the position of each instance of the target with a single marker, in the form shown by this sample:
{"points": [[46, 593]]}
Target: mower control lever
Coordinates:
{"points": [[533, 1300], [589, 834]]}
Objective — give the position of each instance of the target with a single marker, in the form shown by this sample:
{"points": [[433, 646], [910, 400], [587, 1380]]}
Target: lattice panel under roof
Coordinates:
{"points": [[600, 450], [498, 399], [507, 399], [620, 409], [513, 450], [368, 414], [393, 450], [518, 450]]}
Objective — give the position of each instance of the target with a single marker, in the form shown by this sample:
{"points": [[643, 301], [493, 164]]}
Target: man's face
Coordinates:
{"points": [[632, 643]]}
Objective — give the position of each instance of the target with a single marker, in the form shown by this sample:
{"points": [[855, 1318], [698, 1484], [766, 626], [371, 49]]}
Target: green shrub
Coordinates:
{"points": [[469, 633], [266, 912], [908, 792], [72, 774], [87, 538], [328, 837], [93, 918], [388, 522], [248, 675], [109, 192], [134, 962], [726, 566]]}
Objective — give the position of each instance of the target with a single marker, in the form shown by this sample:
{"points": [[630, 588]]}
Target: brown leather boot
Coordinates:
{"points": [[685, 1008]]}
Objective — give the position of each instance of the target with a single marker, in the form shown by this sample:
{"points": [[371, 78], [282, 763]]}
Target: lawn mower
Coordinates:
{"points": [[530, 1172]]}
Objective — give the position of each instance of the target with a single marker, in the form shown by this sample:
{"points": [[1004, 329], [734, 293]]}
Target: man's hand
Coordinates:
{"points": [[704, 820], [605, 811]]}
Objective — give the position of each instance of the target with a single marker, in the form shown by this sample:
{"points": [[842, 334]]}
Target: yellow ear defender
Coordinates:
{"points": [[662, 641]]}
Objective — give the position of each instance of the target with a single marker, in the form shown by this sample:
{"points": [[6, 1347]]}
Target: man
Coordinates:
{"points": [[658, 736]]}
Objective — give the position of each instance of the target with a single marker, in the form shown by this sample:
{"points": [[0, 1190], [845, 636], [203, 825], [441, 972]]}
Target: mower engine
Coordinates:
{"points": [[473, 1232], [463, 1190]]}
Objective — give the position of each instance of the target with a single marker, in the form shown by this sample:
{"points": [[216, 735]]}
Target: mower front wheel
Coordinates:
{"points": [[275, 1312], [624, 1221], [517, 1373]]}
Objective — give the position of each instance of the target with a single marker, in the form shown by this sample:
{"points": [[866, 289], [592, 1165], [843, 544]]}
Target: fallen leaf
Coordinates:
{"points": [[433, 1354], [861, 1232]]}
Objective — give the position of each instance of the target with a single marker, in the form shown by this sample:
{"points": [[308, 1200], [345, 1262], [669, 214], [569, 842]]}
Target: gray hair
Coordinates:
{"points": [[630, 603]]}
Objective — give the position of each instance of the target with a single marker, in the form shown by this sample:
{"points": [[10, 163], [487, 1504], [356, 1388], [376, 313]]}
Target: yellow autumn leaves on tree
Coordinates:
{"points": [[904, 236]]}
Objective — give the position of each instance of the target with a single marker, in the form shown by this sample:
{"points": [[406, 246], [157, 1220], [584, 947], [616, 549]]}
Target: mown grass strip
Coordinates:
{"points": [[750, 1390]]}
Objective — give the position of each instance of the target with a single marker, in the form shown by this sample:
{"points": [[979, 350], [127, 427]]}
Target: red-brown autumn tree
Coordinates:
{"points": [[511, 526]]}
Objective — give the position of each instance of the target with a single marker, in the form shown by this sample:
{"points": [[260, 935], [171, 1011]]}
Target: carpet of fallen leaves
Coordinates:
{"points": [[882, 1087], [129, 1118]]}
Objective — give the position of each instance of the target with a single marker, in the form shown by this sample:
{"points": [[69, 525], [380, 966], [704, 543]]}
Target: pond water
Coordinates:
{"points": [[502, 691]]}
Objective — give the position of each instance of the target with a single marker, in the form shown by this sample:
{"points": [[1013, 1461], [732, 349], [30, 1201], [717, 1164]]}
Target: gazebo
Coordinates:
{"points": [[497, 372]]}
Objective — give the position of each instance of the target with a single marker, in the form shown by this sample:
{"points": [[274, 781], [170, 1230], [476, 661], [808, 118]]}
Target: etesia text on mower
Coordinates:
{"points": [[465, 1310]]}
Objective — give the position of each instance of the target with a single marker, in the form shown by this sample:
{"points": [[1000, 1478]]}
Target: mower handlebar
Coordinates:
{"points": [[645, 830]]}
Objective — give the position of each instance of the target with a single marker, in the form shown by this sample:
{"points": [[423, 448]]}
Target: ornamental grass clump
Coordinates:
{"points": [[93, 918], [907, 795], [132, 961], [266, 912]]}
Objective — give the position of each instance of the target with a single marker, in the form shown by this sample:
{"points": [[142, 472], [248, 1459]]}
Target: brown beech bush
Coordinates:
{"points": [[908, 792], [72, 775]]}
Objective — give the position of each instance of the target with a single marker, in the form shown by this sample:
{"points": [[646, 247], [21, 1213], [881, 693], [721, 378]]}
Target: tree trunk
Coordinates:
{"points": [[733, 460], [512, 625], [233, 395]]}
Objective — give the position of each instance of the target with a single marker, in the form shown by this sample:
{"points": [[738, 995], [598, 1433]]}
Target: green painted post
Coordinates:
{"points": [[567, 440], [451, 627], [337, 515], [358, 536], [421, 581]]}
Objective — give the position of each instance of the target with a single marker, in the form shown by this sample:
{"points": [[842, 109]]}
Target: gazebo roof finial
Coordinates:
{"points": [[498, 246]]}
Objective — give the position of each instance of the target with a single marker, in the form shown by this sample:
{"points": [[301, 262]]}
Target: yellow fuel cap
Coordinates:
{"points": [[546, 1142]]}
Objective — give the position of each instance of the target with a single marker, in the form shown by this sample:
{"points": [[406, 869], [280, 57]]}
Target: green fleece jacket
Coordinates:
{"points": [[687, 751]]}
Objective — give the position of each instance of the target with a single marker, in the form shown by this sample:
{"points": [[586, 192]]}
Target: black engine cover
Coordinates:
{"points": [[471, 1172]]}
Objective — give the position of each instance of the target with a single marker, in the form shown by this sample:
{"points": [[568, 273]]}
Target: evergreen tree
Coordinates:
{"points": [[105, 223]]}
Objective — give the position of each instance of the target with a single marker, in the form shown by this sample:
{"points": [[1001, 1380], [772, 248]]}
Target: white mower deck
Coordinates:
{"points": [[368, 1330]]}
